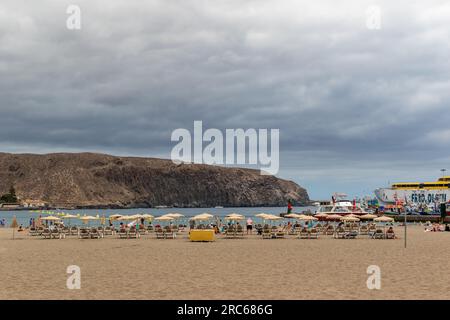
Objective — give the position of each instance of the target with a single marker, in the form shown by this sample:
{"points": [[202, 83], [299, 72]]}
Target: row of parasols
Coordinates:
{"points": [[231, 217]]}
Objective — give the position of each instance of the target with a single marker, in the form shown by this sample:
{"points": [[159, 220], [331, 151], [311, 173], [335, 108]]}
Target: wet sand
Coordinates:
{"points": [[251, 268]]}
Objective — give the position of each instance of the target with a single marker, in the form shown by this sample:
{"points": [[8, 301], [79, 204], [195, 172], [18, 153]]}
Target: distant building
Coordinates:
{"points": [[9, 205], [33, 203]]}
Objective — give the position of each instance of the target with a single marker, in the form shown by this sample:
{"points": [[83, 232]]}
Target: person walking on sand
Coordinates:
{"points": [[249, 225]]}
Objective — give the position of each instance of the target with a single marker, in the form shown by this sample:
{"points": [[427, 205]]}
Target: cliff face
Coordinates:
{"points": [[96, 180]]}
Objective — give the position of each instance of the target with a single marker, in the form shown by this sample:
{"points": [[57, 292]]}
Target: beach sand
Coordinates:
{"points": [[251, 268]]}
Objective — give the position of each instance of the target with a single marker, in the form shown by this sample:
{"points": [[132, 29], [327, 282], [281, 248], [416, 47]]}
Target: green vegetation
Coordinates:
{"points": [[9, 197]]}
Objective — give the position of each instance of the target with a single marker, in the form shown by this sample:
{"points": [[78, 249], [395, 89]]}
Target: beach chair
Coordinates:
{"points": [[230, 233], [159, 233], [280, 234], [73, 231], [83, 233], [239, 231], [94, 233], [66, 231], [169, 234], [109, 231], [150, 228], [123, 234], [134, 234], [379, 234], [340, 233], [33, 232], [304, 234], [330, 231], [266, 233], [56, 234], [363, 230], [46, 233], [314, 233], [390, 235], [351, 235]]}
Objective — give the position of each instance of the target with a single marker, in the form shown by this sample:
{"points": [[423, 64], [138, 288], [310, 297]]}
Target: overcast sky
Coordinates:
{"points": [[356, 107]]}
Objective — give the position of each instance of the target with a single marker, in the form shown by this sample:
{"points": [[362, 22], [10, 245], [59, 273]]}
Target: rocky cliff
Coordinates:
{"points": [[96, 180]]}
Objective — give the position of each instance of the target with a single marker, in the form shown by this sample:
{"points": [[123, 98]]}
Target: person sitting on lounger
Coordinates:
{"points": [[20, 228], [122, 226], [390, 230]]}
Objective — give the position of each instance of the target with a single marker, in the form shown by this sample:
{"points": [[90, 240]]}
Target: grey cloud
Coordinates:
{"points": [[352, 104]]}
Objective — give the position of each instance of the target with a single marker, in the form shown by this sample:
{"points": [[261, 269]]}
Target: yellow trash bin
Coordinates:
{"points": [[202, 235]]}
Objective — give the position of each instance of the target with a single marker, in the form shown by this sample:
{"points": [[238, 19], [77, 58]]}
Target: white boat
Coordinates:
{"points": [[341, 206]]}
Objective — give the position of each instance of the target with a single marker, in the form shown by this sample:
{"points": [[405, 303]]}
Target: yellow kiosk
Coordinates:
{"points": [[202, 234]]}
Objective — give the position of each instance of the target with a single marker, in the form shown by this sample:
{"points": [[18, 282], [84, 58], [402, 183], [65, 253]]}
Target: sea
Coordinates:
{"points": [[23, 216]]}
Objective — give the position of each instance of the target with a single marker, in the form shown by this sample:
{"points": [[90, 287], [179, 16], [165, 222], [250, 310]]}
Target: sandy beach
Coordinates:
{"points": [[251, 268]]}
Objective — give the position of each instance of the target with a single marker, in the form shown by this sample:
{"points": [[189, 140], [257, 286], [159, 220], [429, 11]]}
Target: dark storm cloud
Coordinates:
{"points": [[354, 106]]}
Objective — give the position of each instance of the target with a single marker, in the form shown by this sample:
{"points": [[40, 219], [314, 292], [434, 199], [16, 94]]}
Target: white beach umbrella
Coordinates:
{"points": [[175, 215], [203, 216], [368, 216], [383, 219], [164, 218], [292, 216], [350, 219]]}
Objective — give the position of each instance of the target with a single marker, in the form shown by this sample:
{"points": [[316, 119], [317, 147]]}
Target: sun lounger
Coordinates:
{"points": [[46, 233], [150, 228], [123, 234], [329, 231], [170, 235], [159, 233], [280, 234], [94, 234], [363, 230], [351, 235], [230, 233], [133, 234], [379, 234], [83, 233], [33, 232], [57, 234], [390, 235], [314, 233], [73, 231], [266, 234], [109, 231], [239, 231], [304, 234], [340, 233]]}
